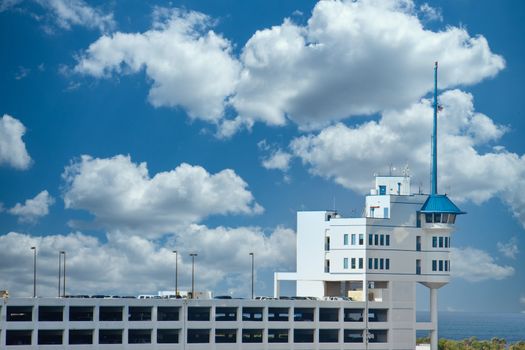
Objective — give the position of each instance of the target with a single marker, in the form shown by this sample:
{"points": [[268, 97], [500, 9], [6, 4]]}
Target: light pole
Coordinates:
{"points": [[59, 271], [176, 273], [193, 255], [252, 255], [64, 284], [34, 271]]}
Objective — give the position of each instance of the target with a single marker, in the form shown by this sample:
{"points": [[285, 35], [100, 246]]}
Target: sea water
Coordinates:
{"points": [[462, 325]]}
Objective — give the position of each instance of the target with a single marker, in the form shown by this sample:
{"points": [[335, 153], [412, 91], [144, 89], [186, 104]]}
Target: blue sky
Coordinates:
{"points": [[132, 129]]}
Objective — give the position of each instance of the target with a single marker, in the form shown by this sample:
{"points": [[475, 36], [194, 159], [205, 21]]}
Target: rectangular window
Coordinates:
{"points": [[440, 242], [387, 264], [428, 218], [440, 265], [376, 239], [353, 239], [434, 242], [370, 263], [446, 265], [370, 239], [387, 240], [345, 239], [376, 263], [361, 239], [360, 263], [381, 264], [446, 242], [345, 263], [353, 263], [382, 240], [434, 265]]}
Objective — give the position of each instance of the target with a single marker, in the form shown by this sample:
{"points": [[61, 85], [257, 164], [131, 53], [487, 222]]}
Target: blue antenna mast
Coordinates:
{"points": [[434, 135]]}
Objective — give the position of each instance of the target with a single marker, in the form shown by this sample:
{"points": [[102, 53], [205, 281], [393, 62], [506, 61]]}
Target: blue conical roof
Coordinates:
{"points": [[440, 203]]}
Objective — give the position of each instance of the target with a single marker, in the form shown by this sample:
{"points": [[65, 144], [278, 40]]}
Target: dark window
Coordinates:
{"points": [[278, 314], [80, 336], [328, 336], [252, 335], [361, 239], [49, 337], [387, 264], [167, 313], [81, 313], [418, 267], [381, 263], [139, 313], [303, 335], [370, 239], [198, 313], [377, 315], [168, 336], [225, 335], [370, 263], [226, 314], [139, 336], [444, 218], [277, 335], [440, 265], [360, 263], [446, 242], [353, 315], [328, 314], [382, 240], [353, 263], [17, 337], [440, 242], [196, 336], [428, 218], [376, 263], [50, 313], [376, 239], [446, 265], [378, 336], [434, 265], [387, 238], [110, 336], [437, 217], [353, 336], [303, 314], [434, 242], [110, 313], [19, 313], [252, 313]]}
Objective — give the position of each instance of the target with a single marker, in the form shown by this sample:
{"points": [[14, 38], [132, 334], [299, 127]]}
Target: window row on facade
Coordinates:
{"points": [[195, 313], [379, 239], [193, 336], [355, 239], [440, 242], [378, 263], [440, 218], [440, 265]]}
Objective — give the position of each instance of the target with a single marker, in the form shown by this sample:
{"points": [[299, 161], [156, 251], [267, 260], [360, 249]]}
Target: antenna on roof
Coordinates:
{"points": [[434, 136]]}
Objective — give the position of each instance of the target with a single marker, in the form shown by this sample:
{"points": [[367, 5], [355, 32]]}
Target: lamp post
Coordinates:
{"points": [[34, 271], [176, 273], [64, 284], [193, 255], [252, 255], [59, 271]]}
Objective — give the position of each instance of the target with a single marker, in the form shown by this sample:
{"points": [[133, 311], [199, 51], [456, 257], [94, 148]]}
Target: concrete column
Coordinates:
{"points": [[276, 289], [434, 319]]}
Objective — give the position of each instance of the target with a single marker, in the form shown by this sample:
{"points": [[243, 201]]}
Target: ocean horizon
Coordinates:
{"points": [[459, 325]]}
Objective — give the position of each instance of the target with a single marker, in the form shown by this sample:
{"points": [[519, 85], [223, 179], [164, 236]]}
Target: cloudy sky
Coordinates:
{"points": [[131, 129]]}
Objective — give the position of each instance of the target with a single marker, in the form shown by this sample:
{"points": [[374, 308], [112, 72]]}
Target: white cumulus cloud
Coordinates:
{"points": [[476, 265], [13, 150], [353, 58], [128, 264], [188, 63], [279, 160], [67, 13], [34, 208], [350, 155], [509, 249], [122, 195]]}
